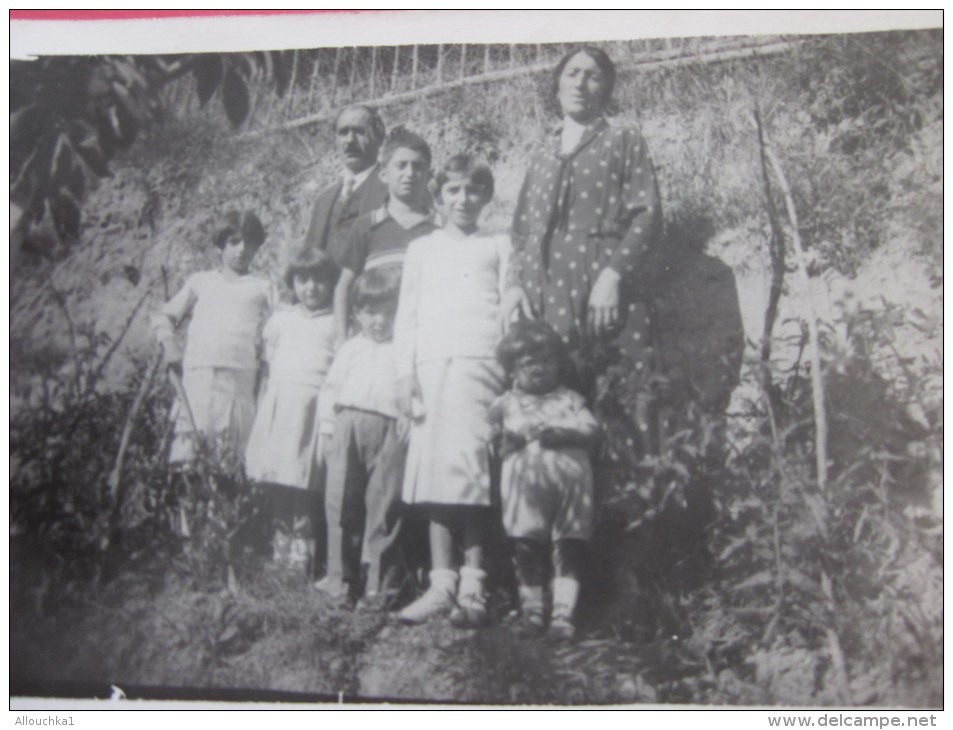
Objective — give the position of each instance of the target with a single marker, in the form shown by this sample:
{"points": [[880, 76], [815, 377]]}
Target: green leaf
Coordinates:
{"points": [[208, 75], [235, 96]]}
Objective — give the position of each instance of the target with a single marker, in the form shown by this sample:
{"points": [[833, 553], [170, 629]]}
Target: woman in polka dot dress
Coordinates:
{"points": [[588, 212]]}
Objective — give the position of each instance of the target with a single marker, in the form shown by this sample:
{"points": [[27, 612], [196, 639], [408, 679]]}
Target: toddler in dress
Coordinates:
{"points": [[546, 485], [283, 447]]}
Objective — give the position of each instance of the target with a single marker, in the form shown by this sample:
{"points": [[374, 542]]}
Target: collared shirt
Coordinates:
{"points": [[363, 376], [376, 239], [351, 181]]}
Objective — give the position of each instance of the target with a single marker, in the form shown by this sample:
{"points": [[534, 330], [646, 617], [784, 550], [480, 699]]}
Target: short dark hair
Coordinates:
{"points": [[378, 130], [532, 337], [401, 137], [376, 287], [244, 224], [308, 261], [605, 64], [474, 170]]}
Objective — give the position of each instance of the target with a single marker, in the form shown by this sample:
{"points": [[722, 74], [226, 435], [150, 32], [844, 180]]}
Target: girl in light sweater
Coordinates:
{"points": [[448, 326], [219, 364]]}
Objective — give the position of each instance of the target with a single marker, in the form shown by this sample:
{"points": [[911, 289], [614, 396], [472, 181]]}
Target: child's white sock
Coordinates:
{"points": [[437, 600], [565, 595]]}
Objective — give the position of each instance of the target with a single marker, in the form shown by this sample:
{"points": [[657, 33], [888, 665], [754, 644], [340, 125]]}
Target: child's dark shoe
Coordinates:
{"points": [[530, 625], [562, 629]]}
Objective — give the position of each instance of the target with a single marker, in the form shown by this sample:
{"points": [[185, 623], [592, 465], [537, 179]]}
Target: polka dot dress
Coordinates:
{"points": [[579, 213]]}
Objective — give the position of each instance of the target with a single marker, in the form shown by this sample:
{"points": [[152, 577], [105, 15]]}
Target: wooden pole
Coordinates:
{"points": [[512, 55], [373, 85], [315, 75], [393, 71], [440, 64], [646, 63], [350, 86], [463, 60], [807, 301], [486, 58], [413, 69], [334, 81]]}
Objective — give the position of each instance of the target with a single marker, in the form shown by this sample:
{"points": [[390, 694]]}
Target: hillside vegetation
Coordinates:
{"points": [[723, 572]]}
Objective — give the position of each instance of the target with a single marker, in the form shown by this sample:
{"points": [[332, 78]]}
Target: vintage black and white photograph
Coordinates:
{"points": [[585, 372]]}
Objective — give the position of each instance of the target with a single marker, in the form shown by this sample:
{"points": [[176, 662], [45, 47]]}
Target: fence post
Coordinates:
{"points": [[486, 58], [289, 104], [512, 55], [413, 70], [350, 86], [334, 83], [463, 60], [440, 64], [315, 74], [373, 84], [393, 72]]}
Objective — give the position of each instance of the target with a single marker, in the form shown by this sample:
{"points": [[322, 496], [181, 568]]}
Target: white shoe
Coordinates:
{"points": [[470, 609], [437, 601]]}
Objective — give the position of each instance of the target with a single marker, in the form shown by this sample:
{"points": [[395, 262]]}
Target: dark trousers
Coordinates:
{"points": [[362, 502]]}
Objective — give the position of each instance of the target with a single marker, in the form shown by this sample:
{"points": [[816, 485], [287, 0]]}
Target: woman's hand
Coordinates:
{"points": [[515, 300], [406, 391], [403, 430], [604, 301]]}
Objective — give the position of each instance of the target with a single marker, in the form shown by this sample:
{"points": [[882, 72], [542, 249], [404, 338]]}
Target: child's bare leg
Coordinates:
{"points": [[530, 557], [439, 598], [568, 556], [474, 537], [470, 611], [441, 540]]}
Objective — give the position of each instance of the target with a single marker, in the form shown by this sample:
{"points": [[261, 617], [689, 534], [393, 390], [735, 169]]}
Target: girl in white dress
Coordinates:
{"points": [[282, 449], [448, 326]]}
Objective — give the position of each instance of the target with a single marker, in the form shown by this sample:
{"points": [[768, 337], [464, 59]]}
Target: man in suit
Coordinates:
{"points": [[359, 132]]}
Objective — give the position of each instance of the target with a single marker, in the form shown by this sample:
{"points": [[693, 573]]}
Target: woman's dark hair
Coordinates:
{"points": [[312, 261], [605, 64], [531, 337], [401, 137], [376, 287], [475, 171], [244, 224]]}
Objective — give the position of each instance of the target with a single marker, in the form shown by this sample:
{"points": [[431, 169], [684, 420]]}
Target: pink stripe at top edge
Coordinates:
{"points": [[155, 14]]}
